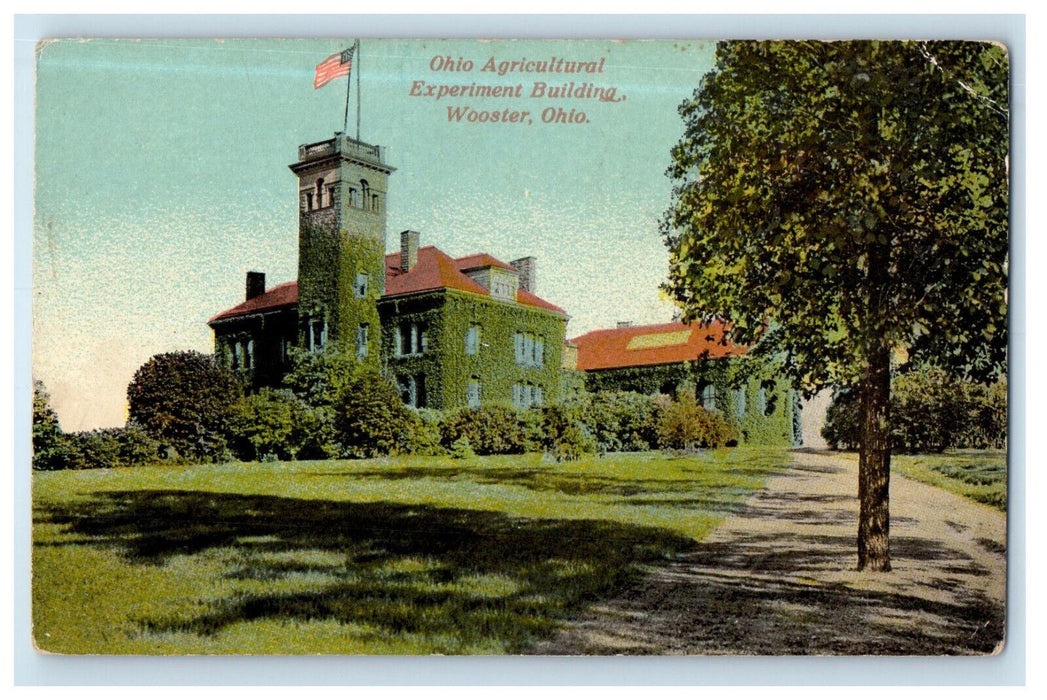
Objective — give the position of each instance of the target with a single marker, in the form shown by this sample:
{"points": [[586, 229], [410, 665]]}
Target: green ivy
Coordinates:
{"points": [[447, 316]]}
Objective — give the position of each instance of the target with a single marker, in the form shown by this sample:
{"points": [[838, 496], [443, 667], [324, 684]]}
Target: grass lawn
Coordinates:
{"points": [[977, 474], [410, 555]]}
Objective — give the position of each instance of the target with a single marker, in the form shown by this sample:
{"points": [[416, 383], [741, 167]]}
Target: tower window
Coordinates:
{"points": [[352, 197], [308, 201], [320, 193], [361, 285], [361, 341], [365, 194], [317, 332], [331, 189]]}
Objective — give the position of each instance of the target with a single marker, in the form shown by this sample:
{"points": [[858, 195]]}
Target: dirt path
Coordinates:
{"points": [[778, 577]]}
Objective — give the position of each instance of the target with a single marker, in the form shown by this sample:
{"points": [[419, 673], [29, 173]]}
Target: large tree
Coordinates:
{"points": [[846, 204]]}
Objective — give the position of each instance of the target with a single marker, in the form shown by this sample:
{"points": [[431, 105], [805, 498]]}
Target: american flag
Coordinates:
{"points": [[334, 66]]}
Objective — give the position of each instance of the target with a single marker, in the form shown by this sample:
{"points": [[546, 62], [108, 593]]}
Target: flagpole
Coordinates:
{"points": [[358, 93], [348, 83]]}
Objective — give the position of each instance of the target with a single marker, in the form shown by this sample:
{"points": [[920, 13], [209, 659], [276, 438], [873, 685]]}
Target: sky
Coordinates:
{"points": [[161, 178]]}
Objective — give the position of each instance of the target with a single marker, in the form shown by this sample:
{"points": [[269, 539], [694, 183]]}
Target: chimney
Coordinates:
{"points": [[255, 284], [528, 271], [409, 250], [625, 324]]}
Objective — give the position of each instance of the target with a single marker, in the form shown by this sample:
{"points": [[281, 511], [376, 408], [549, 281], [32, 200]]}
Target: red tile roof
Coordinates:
{"points": [[281, 296], [434, 270], [478, 260], [639, 346]]}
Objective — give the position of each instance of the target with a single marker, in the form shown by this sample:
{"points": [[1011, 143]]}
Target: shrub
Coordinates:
{"points": [[566, 438], [461, 449], [109, 447], [275, 423], [490, 430], [319, 379], [183, 399], [370, 419], [423, 438], [620, 420], [684, 425]]}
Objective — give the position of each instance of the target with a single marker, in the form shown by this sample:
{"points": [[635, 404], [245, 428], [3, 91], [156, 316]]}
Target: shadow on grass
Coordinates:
{"points": [[459, 579]]}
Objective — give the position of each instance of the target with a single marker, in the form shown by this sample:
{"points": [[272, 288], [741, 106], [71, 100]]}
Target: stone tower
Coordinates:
{"points": [[342, 190]]}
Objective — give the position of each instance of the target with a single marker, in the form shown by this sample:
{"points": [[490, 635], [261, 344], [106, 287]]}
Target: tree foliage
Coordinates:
{"points": [[845, 201], [798, 157], [47, 433], [183, 399]]}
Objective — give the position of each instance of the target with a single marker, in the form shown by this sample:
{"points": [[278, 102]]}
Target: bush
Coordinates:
{"points": [[370, 419], [490, 430], [319, 379], [684, 425], [423, 438], [566, 438], [930, 412], [620, 420], [183, 399], [275, 423], [109, 447]]}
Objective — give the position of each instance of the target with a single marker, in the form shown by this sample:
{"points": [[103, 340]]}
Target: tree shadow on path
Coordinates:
{"points": [[781, 581]]}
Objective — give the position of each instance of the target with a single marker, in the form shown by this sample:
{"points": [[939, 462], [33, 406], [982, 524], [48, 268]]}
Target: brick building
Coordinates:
{"points": [[669, 357], [451, 331]]}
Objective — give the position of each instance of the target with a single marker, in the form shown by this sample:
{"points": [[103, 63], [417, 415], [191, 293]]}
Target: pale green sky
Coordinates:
{"points": [[161, 178]]}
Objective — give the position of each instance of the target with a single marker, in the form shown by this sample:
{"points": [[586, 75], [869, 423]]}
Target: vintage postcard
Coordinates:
{"points": [[513, 347]]}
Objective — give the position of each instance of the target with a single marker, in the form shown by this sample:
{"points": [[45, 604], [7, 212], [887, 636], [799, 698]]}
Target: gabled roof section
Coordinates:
{"points": [[437, 270], [279, 297], [477, 261], [641, 346], [434, 271]]}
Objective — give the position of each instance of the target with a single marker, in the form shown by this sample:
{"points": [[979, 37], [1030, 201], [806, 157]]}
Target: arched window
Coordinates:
{"points": [[365, 194], [320, 193]]}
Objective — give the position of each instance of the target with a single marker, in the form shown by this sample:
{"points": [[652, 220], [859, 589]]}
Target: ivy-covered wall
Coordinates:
{"points": [[270, 335], [748, 394], [339, 240], [447, 316]]}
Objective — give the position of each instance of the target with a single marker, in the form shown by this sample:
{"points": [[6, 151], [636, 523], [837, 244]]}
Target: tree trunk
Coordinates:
{"points": [[874, 462]]}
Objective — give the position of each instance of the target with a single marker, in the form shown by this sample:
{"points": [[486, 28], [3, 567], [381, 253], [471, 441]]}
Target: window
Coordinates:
{"points": [[320, 193], [472, 393], [708, 395], [526, 395], [360, 287], [412, 390], [365, 194], [411, 339], [739, 402], [361, 341], [236, 354], [249, 354], [529, 350], [317, 332], [331, 189], [472, 340], [308, 201]]}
